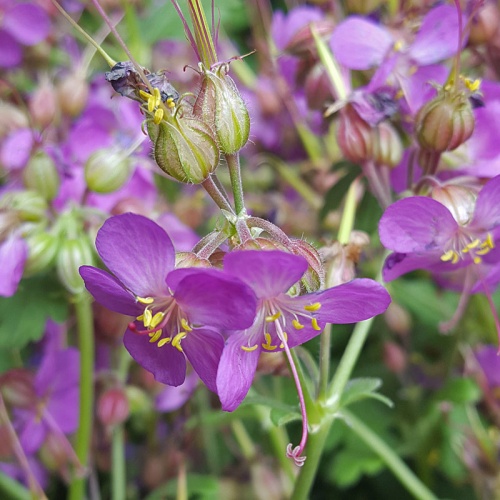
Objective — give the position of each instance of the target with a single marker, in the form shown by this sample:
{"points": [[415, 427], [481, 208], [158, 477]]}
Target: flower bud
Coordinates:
{"points": [[303, 43], [314, 277], [445, 122], [43, 105], [484, 25], [11, 118], [73, 93], [54, 452], [220, 105], [362, 7], [394, 357], [459, 200], [139, 402], [190, 259], [40, 175], [113, 407], [106, 171], [17, 388], [184, 148], [29, 205], [42, 251], [317, 87], [387, 146], [73, 253], [354, 136], [398, 319]]}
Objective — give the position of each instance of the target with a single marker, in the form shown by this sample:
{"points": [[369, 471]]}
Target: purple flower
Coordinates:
{"points": [[489, 362], [13, 255], [177, 311], [285, 317], [425, 234]]}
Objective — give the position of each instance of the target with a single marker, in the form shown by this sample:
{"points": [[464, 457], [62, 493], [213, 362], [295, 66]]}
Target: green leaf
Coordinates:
{"points": [[460, 391], [351, 465], [199, 487], [281, 417], [23, 316], [363, 388]]}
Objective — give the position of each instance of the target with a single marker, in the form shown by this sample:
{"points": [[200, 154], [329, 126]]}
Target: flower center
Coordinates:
{"points": [[474, 249]]}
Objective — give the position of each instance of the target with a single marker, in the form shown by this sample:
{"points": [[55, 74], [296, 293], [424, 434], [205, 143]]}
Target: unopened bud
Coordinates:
{"points": [[303, 42], [314, 277], [189, 259], [11, 118], [394, 357], [43, 105], [40, 175], [354, 136], [42, 251], [484, 25], [16, 387], [113, 407], [445, 122], [398, 319], [459, 200], [73, 93], [29, 205], [387, 146], [317, 87], [220, 105], [72, 254], [184, 148], [139, 402], [106, 171]]}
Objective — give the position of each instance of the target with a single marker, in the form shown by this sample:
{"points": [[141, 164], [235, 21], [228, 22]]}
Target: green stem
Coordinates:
{"points": [[409, 480], [314, 450], [324, 362], [84, 319], [11, 489], [118, 476], [349, 359], [212, 188], [233, 163], [244, 440]]}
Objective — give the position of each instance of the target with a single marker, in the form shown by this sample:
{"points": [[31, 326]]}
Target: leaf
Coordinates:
{"points": [[23, 316], [199, 486], [281, 417], [363, 388]]}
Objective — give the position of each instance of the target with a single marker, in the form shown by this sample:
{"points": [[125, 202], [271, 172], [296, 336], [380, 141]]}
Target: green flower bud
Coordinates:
{"points": [[445, 122], [220, 104], [72, 254], [106, 171], [387, 146], [29, 205], [40, 175], [314, 277], [42, 251], [185, 148]]}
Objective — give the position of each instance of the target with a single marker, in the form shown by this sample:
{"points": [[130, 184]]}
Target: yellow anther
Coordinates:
{"points": [[151, 104], [170, 103], [314, 323], [297, 325], [157, 96], [156, 320], [145, 300], [140, 318], [476, 259], [158, 116], [450, 255], [185, 325], [471, 245], [399, 94], [164, 341], [274, 317], [313, 307], [268, 346], [148, 317], [249, 349], [155, 336], [486, 245], [285, 338], [176, 341], [472, 85], [145, 95], [398, 45]]}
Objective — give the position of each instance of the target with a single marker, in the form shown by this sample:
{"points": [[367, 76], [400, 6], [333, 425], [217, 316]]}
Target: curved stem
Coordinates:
{"points": [[84, 318], [233, 163], [213, 189], [409, 480]]}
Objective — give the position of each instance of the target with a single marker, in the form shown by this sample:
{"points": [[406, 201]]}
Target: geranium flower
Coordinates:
{"points": [[284, 317], [425, 234], [177, 311]]}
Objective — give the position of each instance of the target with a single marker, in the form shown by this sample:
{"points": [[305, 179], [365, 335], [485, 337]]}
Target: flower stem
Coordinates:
{"points": [[233, 163], [84, 318], [118, 476], [10, 488], [391, 459], [213, 189]]}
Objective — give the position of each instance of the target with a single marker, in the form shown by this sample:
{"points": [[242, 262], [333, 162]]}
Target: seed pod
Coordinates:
{"points": [[445, 122], [220, 105], [106, 171], [40, 175], [184, 148]]}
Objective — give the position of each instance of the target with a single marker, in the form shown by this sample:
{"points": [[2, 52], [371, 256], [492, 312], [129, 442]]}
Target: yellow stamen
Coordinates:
{"points": [[297, 325], [314, 323], [176, 341], [156, 320], [472, 85], [249, 349], [145, 300], [185, 325], [158, 116], [170, 103], [398, 45], [450, 255], [164, 341], [140, 318], [274, 317], [155, 337], [148, 317], [477, 260], [268, 346], [471, 245], [145, 95], [313, 307], [285, 338]]}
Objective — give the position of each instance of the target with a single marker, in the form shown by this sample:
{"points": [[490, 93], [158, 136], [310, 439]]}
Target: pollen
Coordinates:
{"points": [[164, 341], [249, 349], [148, 318], [156, 319], [158, 116], [185, 325], [297, 324], [274, 317], [472, 85], [313, 307], [268, 346], [145, 300], [155, 336], [450, 256], [176, 341]]}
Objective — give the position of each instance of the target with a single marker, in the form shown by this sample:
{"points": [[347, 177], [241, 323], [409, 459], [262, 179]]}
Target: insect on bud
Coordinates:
{"points": [[220, 105], [445, 122], [106, 171], [40, 175]]}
